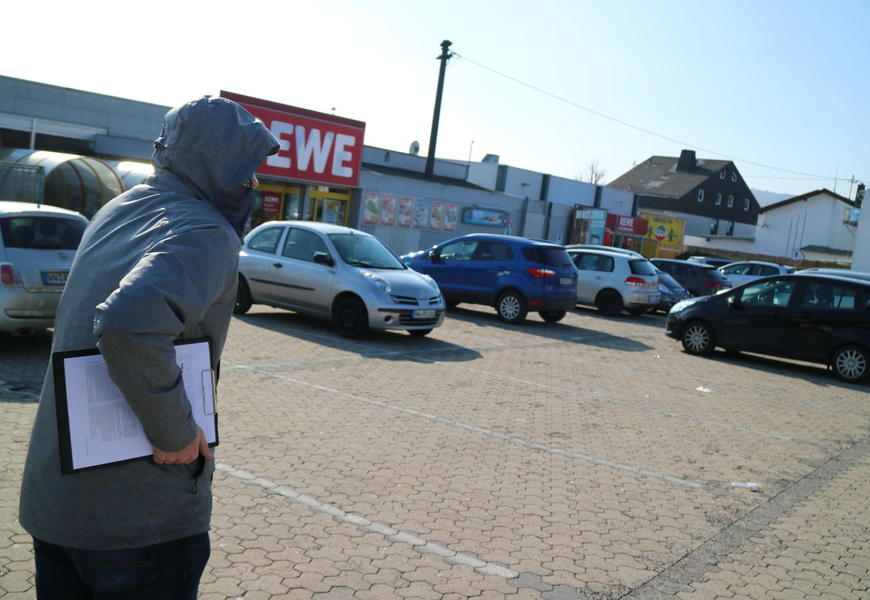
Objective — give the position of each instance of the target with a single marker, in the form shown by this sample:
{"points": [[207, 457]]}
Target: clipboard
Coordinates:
{"points": [[97, 427]]}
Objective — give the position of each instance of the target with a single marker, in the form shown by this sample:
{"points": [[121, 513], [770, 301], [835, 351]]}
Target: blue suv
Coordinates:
{"points": [[513, 274]]}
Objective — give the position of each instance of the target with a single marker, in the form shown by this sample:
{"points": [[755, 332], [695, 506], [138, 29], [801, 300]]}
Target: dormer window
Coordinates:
{"points": [[734, 176], [722, 174], [730, 201], [718, 199], [701, 195], [746, 204]]}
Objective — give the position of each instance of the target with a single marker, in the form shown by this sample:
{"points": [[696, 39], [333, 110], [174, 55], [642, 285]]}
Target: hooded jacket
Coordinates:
{"points": [[156, 264]]}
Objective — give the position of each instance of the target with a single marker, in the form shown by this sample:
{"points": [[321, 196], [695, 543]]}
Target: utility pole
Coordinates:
{"points": [[445, 55]]}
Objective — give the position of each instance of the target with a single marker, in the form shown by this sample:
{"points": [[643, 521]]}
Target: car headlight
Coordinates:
{"points": [[379, 282]]}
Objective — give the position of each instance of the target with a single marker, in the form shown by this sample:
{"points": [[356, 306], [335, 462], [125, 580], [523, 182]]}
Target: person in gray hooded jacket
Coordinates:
{"points": [[157, 264]]}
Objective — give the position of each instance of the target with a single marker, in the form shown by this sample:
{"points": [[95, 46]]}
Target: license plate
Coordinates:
{"points": [[566, 281], [54, 277], [424, 314]]}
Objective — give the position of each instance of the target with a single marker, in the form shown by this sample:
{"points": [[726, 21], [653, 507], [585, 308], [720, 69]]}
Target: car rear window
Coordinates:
{"points": [[41, 232], [641, 267], [554, 256]]}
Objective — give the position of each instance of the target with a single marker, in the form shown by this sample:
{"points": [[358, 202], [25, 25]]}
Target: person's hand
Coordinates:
{"points": [[188, 454]]}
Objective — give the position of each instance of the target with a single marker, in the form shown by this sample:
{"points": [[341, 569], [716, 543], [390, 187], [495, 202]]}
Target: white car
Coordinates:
{"points": [[37, 246], [600, 247], [748, 270], [338, 273], [614, 281]]}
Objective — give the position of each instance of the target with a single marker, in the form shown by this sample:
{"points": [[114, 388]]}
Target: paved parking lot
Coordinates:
{"points": [[587, 459]]}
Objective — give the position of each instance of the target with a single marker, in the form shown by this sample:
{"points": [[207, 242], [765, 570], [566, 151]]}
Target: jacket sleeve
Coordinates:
{"points": [[168, 291]]}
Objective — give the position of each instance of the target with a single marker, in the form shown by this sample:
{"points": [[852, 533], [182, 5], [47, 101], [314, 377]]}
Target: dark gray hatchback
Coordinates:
{"points": [[812, 317]]}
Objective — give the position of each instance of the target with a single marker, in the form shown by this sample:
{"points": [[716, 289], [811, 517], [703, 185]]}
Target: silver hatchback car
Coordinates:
{"points": [[614, 281], [37, 247], [338, 273]]}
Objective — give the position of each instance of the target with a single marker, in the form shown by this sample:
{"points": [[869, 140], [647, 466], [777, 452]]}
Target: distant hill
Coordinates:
{"points": [[766, 198]]}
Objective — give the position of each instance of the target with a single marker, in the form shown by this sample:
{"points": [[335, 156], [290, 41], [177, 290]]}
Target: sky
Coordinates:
{"points": [[782, 88]]}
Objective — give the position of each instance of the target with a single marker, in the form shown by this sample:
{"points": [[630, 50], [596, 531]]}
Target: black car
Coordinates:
{"points": [[812, 317], [700, 280]]}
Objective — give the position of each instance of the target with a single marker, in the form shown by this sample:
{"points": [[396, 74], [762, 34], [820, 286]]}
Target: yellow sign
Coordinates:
{"points": [[667, 231]]}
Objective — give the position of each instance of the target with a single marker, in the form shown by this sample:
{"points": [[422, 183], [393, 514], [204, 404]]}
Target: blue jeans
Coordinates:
{"points": [[168, 571]]}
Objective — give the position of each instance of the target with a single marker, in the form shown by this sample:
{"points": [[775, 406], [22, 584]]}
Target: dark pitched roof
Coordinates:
{"points": [[658, 176], [807, 196]]}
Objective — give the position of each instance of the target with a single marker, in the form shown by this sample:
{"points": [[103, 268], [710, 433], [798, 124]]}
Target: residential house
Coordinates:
{"points": [[709, 194], [818, 226]]}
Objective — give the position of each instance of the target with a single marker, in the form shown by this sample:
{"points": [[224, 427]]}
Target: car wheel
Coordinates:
{"points": [[419, 332], [351, 318], [698, 338], [552, 316], [609, 302], [511, 307], [850, 363], [243, 298]]}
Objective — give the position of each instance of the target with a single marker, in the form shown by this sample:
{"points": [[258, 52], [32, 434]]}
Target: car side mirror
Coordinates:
{"points": [[734, 303], [322, 258], [434, 256]]}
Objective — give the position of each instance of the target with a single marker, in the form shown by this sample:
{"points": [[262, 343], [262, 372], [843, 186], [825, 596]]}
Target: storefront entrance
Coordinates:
{"points": [[330, 204], [298, 202]]}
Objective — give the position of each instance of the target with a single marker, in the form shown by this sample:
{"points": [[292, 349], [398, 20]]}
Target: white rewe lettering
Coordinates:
{"points": [[279, 130], [342, 141], [312, 146]]}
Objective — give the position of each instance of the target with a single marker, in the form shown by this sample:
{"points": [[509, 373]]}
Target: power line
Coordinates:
{"points": [[636, 127]]}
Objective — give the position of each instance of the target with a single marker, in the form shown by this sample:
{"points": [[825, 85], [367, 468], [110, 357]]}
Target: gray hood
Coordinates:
{"points": [[213, 145]]}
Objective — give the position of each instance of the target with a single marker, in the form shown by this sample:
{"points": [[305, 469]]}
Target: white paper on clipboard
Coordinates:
{"points": [[103, 428]]}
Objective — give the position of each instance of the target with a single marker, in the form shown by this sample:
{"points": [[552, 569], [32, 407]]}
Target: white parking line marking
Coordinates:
{"points": [[596, 460], [419, 544]]}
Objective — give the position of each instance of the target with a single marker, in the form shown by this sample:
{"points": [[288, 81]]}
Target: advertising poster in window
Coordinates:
{"points": [[421, 214], [330, 212], [388, 210], [370, 208], [450, 216], [271, 206], [406, 211], [435, 214]]}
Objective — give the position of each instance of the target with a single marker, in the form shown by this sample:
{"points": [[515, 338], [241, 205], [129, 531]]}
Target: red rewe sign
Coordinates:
{"points": [[314, 146]]}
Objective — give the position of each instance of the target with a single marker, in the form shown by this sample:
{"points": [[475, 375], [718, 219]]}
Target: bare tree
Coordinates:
{"points": [[592, 174]]}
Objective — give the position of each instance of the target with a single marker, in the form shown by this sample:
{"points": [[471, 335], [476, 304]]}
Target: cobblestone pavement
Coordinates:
{"points": [[586, 459]]}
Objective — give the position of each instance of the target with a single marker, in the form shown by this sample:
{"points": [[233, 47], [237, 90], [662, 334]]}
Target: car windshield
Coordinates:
{"points": [[669, 281], [554, 256], [364, 251], [39, 232], [714, 273]]}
